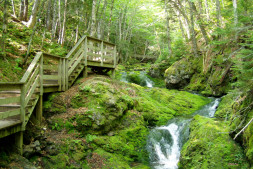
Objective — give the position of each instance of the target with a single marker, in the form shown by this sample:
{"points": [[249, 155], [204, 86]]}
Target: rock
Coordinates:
{"points": [[210, 146], [178, 75]]}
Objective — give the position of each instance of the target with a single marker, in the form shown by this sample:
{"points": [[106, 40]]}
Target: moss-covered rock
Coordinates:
{"points": [[113, 117], [179, 74], [210, 146]]}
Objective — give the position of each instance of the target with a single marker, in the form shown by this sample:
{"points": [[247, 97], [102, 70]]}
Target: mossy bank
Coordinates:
{"points": [[103, 123]]}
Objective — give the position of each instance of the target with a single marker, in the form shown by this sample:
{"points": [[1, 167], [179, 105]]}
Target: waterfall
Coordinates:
{"points": [[164, 143]]}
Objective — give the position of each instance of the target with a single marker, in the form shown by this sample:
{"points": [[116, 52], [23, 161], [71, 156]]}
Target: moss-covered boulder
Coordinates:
{"points": [[112, 118], [210, 146], [179, 74]]}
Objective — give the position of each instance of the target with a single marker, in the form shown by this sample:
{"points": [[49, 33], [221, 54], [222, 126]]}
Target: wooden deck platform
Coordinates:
{"points": [[49, 73]]}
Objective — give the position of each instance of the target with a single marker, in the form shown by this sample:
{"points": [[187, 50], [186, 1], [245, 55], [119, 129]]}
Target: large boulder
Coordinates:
{"points": [[179, 74], [210, 146]]}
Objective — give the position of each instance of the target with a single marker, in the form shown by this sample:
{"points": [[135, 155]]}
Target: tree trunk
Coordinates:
{"points": [[33, 16], [54, 23], [218, 13], [193, 33], [200, 23], [102, 25], [64, 23], [93, 19], [207, 10], [26, 10], [5, 23], [21, 10], [59, 21], [13, 8], [49, 15], [168, 29], [32, 35], [235, 18], [110, 21]]}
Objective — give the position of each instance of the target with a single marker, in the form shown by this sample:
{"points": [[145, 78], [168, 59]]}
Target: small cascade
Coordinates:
{"points": [[144, 80], [164, 143]]}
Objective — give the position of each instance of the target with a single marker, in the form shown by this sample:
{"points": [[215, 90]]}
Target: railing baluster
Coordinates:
{"points": [[102, 49]]}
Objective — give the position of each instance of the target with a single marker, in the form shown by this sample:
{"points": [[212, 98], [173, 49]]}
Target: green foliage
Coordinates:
{"points": [[89, 138], [244, 64]]}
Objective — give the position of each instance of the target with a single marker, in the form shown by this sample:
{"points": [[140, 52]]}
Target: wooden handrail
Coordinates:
{"points": [[75, 47], [31, 67]]}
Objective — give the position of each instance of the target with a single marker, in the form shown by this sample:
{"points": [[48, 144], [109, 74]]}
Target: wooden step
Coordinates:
{"points": [[10, 92], [50, 85]]}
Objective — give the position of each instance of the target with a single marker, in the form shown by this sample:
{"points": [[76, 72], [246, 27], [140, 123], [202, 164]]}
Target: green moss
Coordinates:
{"points": [[210, 146]]}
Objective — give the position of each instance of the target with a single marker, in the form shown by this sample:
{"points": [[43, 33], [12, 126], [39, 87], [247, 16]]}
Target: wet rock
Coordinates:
{"points": [[178, 75]]}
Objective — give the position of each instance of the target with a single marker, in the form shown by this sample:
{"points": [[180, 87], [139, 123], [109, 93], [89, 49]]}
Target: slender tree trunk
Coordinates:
{"points": [[200, 23], [193, 33], [207, 10], [54, 23], [93, 19], [102, 25], [32, 35], [218, 13], [110, 21], [49, 15], [235, 18], [59, 21], [13, 8], [5, 23], [21, 10], [64, 23], [180, 24], [26, 10], [33, 16], [168, 29]]}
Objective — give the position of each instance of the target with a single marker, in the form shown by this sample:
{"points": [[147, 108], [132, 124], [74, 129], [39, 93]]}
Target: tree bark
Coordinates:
{"points": [[5, 23], [207, 10], [13, 8], [93, 19], [59, 21], [26, 10], [193, 33], [110, 21], [54, 22], [33, 16], [64, 23], [21, 10], [235, 18], [49, 15], [200, 23], [168, 29], [218, 13]]}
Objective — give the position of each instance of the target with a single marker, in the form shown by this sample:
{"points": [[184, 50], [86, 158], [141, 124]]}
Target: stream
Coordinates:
{"points": [[164, 143]]}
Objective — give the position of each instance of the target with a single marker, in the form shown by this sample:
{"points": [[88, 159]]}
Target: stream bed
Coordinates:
{"points": [[164, 143]]}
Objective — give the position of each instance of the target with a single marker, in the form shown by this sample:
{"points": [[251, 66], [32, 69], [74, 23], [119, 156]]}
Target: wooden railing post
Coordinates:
{"points": [[39, 106], [115, 57], [22, 106], [63, 74], [102, 49], [85, 51], [66, 73], [60, 75]]}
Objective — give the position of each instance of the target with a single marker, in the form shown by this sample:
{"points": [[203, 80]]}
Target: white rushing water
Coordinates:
{"points": [[164, 143]]}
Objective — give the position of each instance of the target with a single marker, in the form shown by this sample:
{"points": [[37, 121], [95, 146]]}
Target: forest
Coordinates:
{"points": [[161, 84]]}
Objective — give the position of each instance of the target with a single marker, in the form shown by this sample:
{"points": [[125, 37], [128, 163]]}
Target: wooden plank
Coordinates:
{"points": [[93, 54], [93, 48], [102, 47], [98, 40], [47, 55], [115, 56], [31, 67], [50, 67], [4, 115], [50, 77], [109, 50], [31, 80], [31, 91], [60, 75], [72, 68], [108, 57], [9, 100], [85, 51], [63, 75], [10, 87], [76, 46], [97, 64], [41, 75], [75, 57]]}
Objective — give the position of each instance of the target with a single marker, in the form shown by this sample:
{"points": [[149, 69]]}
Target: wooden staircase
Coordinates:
{"points": [[49, 73]]}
